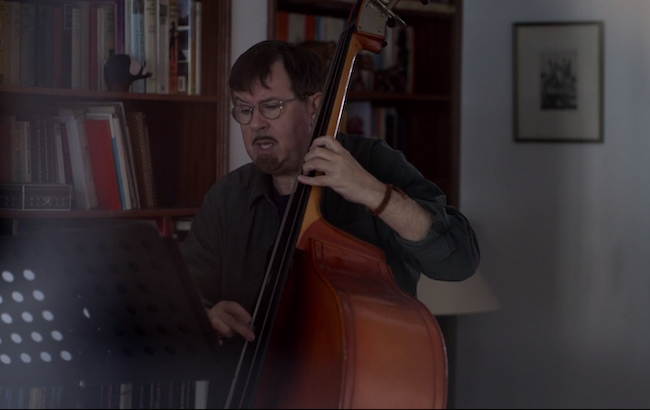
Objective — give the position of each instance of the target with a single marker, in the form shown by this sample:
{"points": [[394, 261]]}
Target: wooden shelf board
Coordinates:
{"points": [[397, 97], [137, 213], [105, 95]]}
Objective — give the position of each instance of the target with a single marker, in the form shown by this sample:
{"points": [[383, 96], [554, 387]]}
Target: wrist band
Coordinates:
{"points": [[384, 202]]}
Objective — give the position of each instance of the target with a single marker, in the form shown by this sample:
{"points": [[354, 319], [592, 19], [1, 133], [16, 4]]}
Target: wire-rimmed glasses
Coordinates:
{"points": [[270, 110]]}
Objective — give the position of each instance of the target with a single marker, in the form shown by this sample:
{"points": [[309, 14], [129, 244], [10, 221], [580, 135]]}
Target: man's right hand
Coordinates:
{"points": [[230, 318]]}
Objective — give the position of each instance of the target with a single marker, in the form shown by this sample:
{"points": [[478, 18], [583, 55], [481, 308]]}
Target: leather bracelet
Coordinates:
{"points": [[384, 202]]}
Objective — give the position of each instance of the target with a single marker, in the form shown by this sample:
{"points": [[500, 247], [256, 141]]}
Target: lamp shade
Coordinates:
{"points": [[472, 295]]}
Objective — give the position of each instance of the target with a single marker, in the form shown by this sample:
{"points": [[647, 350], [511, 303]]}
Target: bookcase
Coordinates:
{"points": [[188, 133], [428, 110]]}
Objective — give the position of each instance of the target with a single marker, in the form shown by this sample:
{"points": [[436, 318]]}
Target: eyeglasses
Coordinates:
{"points": [[270, 110]]}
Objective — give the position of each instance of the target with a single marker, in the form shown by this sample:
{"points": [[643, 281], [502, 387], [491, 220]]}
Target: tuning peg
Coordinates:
{"points": [[391, 22]]}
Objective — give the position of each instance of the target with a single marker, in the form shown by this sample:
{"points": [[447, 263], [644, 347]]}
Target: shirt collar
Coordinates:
{"points": [[261, 187]]}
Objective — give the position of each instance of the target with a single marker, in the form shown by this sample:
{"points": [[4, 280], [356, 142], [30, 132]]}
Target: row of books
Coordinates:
{"points": [[98, 148], [155, 395], [389, 71], [65, 43]]}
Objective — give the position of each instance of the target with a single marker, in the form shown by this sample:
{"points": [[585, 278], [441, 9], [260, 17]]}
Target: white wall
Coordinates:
{"points": [[249, 22], [564, 229]]}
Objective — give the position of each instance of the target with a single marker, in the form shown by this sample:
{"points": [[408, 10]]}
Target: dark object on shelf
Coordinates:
{"points": [[88, 307], [121, 70]]}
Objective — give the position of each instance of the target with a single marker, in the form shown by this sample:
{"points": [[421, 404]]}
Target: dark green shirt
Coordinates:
{"points": [[233, 234]]}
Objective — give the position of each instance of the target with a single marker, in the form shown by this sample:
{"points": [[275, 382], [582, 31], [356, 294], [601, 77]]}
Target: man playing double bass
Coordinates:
{"points": [[371, 192]]}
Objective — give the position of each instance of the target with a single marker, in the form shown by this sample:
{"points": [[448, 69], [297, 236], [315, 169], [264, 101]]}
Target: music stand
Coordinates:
{"points": [[83, 307]]}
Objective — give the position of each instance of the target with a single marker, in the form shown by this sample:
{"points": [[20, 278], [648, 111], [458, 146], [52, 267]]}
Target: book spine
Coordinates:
{"points": [[282, 26], [57, 46], [151, 44], [173, 46], [100, 146], [12, 136], [48, 149], [197, 45], [119, 26], [163, 46], [3, 40], [191, 76], [36, 149], [109, 41], [67, 166], [80, 183], [59, 159], [6, 149], [23, 128], [85, 153], [84, 10], [93, 51], [66, 47], [125, 176], [28, 45], [184, 45], [76, 49], [128, 10], [137, 41], [14, 71], [44, 45]]}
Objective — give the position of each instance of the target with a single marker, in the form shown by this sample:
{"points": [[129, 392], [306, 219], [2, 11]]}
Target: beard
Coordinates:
{"points": [[268, 164]]}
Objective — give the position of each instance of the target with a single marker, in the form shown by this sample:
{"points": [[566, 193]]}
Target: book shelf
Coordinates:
{"points": [[430, 112], [188, 133]]}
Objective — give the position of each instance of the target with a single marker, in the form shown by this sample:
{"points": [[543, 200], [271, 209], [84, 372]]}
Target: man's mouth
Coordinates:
{"points": [[264, 143]]}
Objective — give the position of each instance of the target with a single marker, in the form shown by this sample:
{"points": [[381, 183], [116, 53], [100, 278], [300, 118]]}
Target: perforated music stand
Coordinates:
{"points": [[107, 305]]}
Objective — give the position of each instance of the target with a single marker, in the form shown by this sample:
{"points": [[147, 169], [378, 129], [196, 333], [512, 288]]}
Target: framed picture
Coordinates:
{"points": [[558, 70]]}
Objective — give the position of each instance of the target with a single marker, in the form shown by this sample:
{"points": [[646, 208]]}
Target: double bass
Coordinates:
{"points": [[333, 327]]}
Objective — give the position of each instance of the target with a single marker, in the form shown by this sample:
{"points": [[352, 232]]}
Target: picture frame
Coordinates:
{"points": [[558, 81]]}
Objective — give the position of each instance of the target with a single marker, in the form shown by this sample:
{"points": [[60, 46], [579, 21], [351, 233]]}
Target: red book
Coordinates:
{"points": [[310, 27], [100, 146], [282, 27]]}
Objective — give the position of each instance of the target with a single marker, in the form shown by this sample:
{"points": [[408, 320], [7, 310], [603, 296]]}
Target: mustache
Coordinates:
{"points": [[263, 138]]}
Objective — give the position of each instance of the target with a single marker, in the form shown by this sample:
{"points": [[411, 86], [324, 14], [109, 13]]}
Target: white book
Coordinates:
{"points": [[296, 28], [333, 27], [163, 47], [151, 44], [201, 394], [82, 179]]}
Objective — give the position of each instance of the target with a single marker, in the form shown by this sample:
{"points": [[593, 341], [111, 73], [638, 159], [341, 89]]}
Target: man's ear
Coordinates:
{"points": [[314, 104]]}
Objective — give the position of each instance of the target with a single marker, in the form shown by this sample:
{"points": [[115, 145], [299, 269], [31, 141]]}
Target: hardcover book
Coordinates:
{"points": [[100, 146]]}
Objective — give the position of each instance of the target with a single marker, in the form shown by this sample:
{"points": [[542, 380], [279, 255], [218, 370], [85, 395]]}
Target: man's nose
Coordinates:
{"points": [[258, 122]]}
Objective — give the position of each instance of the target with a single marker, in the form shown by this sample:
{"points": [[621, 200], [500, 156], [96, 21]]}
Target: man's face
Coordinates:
{"points": [[277, 146]]}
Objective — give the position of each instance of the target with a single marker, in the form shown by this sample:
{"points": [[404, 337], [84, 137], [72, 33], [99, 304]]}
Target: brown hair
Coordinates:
{"points": [[303, 67]]}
